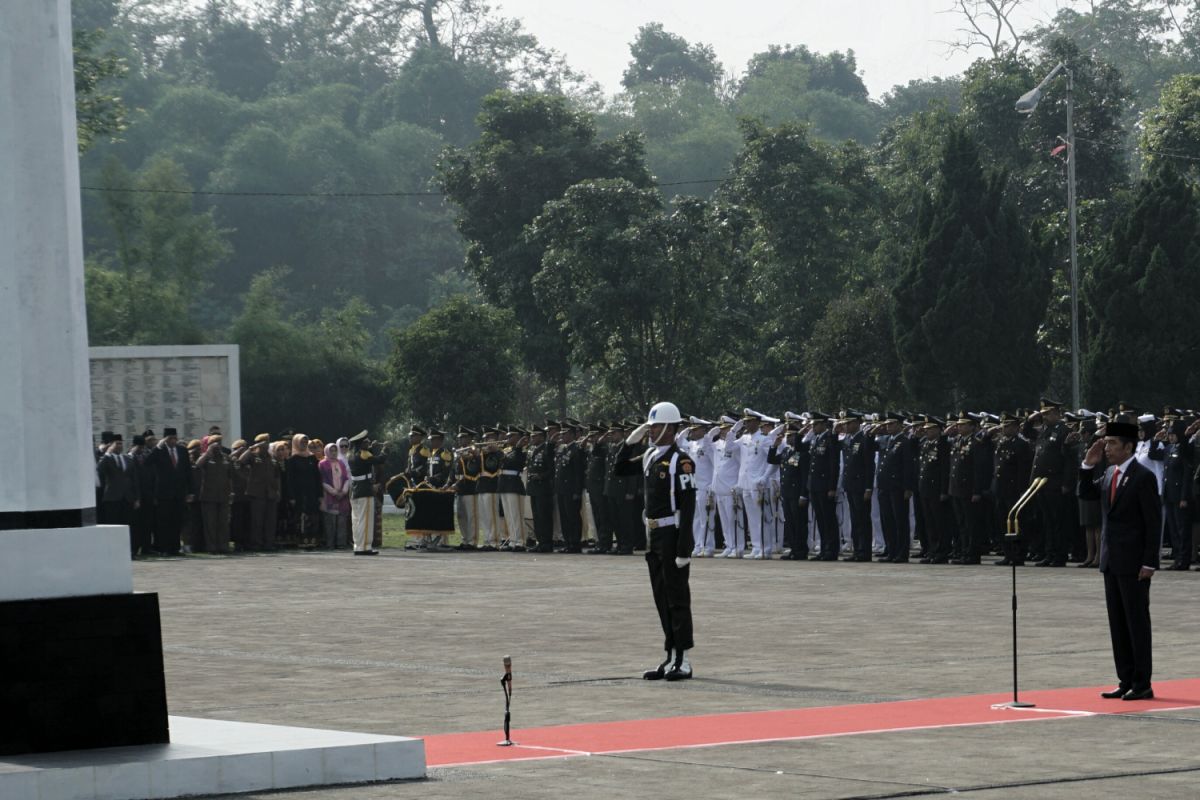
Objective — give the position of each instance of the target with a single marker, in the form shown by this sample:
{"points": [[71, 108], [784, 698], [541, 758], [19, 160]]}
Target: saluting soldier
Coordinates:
{"points": [[970, 479], [216, 488], [618, 493], [1012, 460], [1178, 494], [597, 467], [896, 482], [790, 452], [262, 490], [824, 464], [1050, 462], [569, 475], [933, 489], [858, 482], [670, 491], [699, 447], [540, 486], [512, 489]]}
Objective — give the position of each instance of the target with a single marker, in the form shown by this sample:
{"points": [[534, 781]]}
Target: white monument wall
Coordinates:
{"points": [[189, 388]]}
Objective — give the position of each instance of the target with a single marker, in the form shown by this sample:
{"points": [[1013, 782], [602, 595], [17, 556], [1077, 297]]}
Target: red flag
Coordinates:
{"points": [[1058, 150]]}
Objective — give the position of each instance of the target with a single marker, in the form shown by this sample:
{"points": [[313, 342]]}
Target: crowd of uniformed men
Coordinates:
{"points": [[812, 486], [854, 486]]}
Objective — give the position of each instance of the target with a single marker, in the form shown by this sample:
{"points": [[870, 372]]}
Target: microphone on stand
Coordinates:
{"points": [[506, 686]]}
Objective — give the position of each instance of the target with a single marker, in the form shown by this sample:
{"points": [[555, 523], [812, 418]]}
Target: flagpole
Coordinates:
{"points": [[1071, 207]]}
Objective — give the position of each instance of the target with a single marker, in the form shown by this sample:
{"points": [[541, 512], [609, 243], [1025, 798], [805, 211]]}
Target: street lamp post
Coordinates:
{"points": [[1025, 105]]}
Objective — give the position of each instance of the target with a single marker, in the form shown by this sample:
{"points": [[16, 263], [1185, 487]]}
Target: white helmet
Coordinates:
{"points": [[664, 414]]}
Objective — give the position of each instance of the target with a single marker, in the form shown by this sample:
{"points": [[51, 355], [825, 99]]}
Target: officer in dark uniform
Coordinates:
{"points": [[570, 470], [512, 489], [418, 455], [824, 463], [669, 476], [790, 452], [1050, 462], [487, 488], [933, 489], [1178, 494], [362, 493], [1012, 460], [463, 477], [540, 486], [858, 482], [896, 480], [618, 492], [597, 468], [970, 480], [439, 463]]}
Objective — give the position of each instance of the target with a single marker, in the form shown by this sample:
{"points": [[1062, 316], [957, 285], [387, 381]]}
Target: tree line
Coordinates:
{"points": [[412, 209]]}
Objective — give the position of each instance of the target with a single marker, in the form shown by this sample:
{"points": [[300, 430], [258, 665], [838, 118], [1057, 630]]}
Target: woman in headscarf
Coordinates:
{"points": [[281, 452], [335, 500], [303, 491]]}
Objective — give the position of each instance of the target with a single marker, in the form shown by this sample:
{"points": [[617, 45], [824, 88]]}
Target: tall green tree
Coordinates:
{"points": [[150, 287], [1171, 130], [1143, 297], [639, 291], [972, 294], [666, 58], [533, 148], [304, 372], [815, 215], [430, 358], [850, 358]]}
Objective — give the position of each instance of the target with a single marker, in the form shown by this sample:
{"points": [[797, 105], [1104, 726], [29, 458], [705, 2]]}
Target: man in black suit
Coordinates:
{"points": [[122, 493], [172, 470], [1130, 540]]}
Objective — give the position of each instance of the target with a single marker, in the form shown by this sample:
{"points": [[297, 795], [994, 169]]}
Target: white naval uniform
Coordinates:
{"points": [[704, 525], [752, 482], [726, 459]]}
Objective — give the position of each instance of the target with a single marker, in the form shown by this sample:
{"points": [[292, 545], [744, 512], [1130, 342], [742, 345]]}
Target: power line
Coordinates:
{"points": [[333, 195]]}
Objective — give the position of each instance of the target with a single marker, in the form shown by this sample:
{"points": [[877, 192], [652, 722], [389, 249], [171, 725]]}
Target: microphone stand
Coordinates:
{"points": [[1013, 536], [506, 687]]}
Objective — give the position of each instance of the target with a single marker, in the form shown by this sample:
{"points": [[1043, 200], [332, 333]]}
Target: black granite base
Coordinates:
{"points": [[81, 672]]}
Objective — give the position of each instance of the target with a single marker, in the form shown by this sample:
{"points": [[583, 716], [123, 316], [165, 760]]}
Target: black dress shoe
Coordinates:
{"points": [[926, 560], [1115, 694], [1139, 694], [1045, 562]]}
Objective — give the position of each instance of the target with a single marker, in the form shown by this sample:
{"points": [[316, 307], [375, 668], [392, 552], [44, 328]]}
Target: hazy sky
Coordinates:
{"points": [[894, 40]]}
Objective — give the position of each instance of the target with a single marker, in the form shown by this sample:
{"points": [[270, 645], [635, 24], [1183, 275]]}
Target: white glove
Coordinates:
{"points": [[682, 562], [638, 434]]}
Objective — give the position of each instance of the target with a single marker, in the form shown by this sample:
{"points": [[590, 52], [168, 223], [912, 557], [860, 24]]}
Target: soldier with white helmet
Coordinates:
{"points": [[670, 481]]}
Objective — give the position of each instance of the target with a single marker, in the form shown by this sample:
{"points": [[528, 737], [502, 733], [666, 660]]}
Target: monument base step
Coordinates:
{"points": [[207, 757]]}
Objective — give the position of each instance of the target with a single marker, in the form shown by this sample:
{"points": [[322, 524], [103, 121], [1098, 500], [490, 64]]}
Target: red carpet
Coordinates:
{"points": [[668, 733]]}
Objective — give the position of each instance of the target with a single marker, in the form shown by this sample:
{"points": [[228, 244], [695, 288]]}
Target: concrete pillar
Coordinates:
{"points": [[45, 405]]}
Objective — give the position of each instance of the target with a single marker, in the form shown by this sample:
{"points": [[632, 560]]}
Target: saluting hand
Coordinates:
{"points": [[1092, 457]]}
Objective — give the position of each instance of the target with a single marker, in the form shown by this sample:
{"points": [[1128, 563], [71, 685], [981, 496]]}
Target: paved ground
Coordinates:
{"points": [[410, 644]]}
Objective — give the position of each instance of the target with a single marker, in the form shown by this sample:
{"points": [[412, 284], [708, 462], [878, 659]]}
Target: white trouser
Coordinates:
{"points": [[776, 502], [704, 532], [464, 505], [735, 540], [877, 543], [768, 521], [486, 513], [362, 516], [514, 518], [755, 510], [589, 518]]}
